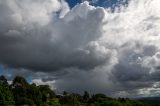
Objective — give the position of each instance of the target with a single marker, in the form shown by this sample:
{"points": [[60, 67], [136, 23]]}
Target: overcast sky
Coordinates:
{"points": [[109, 47]]}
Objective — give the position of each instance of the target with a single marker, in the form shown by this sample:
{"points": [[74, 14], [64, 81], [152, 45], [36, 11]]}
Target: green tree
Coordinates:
{"points": [[6, 96], [20, 88], [35, 94], [46, 92], [71, 100], [65, 93], [20, 82], [3, 81], [86, 96]]}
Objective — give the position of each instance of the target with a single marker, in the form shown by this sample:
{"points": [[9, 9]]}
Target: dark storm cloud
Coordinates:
{"points": [[36, 41]]}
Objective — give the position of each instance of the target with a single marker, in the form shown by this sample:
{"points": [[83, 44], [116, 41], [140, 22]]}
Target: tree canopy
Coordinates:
{"points": [[20, 92]]}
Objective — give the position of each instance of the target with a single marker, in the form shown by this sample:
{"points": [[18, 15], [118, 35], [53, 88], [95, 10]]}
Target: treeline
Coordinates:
{"points": [[20, 93]]}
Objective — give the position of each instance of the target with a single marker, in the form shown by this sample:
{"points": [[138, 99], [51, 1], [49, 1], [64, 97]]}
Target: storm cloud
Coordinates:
{"points": [[35, 37], [84, 48]]}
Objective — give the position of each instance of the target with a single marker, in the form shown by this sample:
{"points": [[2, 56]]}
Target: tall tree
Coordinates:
{"points": [[35, 94], [86, 96], [6, 96], [20, 88], [3, 80]]}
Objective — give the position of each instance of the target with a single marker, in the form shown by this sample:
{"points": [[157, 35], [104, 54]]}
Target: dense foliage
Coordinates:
{"points": [[20, 92]]}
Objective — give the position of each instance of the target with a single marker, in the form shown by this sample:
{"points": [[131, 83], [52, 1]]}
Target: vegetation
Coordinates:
{"points": [[21, 93]]}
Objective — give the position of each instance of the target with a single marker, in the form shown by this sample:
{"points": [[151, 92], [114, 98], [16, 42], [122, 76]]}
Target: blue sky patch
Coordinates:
{"points": [[102, 3]]}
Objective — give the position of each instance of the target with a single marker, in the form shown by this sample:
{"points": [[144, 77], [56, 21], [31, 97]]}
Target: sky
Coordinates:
{"points": [[109, 47], [101, 3]]}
